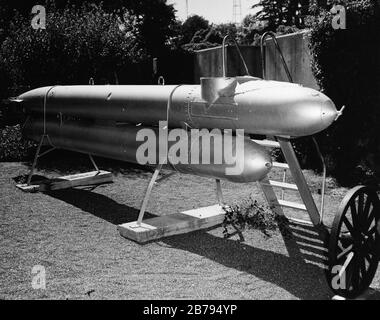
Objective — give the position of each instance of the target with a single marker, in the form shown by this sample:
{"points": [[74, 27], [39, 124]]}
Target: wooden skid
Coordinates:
{"points": [[179, 223], [64, 182]]}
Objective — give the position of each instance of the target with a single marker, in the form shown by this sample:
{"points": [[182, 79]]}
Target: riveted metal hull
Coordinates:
{"points": [[255, 105]]}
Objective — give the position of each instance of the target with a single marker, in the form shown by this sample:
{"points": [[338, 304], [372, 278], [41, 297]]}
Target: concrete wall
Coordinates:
{"points": [[297, 56], [209, 62]]}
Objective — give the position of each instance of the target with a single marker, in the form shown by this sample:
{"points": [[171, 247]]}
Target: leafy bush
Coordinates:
{"points": [[12, 146], [346, 65], [249, 213]]}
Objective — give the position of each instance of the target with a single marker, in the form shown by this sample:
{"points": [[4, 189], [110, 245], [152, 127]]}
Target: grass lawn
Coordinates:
{"points": [[72, 233]]}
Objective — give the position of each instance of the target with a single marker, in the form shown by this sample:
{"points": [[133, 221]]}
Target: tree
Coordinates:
{"points": [[272, 12], [223, 29], [191, 26], [157, 17], [202, 35], [157, 24], [77, 44], [251, 29], [282, 12]]}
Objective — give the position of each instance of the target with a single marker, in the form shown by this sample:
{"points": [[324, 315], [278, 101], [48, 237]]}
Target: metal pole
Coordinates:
{"points": [[273, 36], [323, 178], [93, 163], [35, 160], [219, 192], [147, 194], [160, 164], [224, 54]]}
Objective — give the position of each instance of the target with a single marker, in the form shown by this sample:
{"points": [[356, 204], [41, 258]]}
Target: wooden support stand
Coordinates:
{"points": [[179, 223], [64, 182]]}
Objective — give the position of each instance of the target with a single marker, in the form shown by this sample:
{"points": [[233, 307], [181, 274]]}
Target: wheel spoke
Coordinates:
{"points": [[369, 256], [364, 204], [360, 204], [349, 276], [345, 252], [349, 226], [356, 271], [354, 213], [363, 268], [371, 231], [370, 218], [346, 268], [340, 246], [345, 239], [368, 247], [367, 206]]}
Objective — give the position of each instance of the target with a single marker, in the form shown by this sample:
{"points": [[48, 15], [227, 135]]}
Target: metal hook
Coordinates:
{"points": [[161, 81]]}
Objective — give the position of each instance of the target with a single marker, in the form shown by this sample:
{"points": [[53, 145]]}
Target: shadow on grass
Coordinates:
{"points": [[98, 205], [292, 273]]}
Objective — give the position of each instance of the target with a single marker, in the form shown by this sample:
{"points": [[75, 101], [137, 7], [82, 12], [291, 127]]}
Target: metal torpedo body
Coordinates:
{"points": [[104, 120], [119, 142], [255, 105]]}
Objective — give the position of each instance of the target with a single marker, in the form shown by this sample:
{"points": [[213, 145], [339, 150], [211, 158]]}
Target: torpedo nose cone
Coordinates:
{"points": [[37, 93], [33, 100], [256, 163], [313, 111], [328, 112], [259, 165], [283, 109]]}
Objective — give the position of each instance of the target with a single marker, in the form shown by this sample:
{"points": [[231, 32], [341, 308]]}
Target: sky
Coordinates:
{"points": [[216, 11]]}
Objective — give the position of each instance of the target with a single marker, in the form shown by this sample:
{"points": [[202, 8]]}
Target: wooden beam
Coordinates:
{"points": [[69, 181], [179, 223]]}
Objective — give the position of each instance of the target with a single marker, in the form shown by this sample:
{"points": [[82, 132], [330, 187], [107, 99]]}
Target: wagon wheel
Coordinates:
{"points": [[354, 244]]}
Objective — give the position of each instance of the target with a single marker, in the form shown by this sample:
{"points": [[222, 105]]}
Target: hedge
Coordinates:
{"points": [[346, 64]]}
